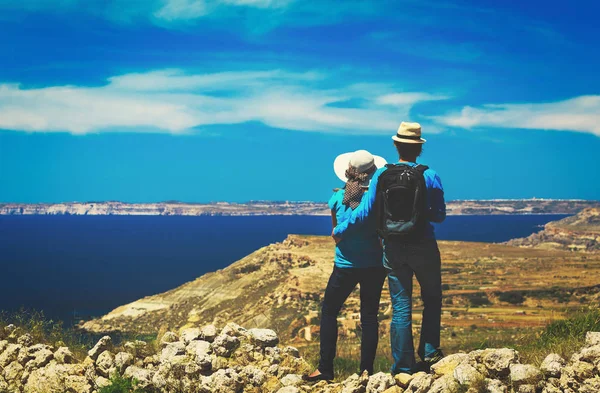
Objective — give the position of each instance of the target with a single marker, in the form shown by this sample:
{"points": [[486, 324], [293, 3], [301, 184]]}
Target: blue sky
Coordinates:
{"points": [[237, 100]]}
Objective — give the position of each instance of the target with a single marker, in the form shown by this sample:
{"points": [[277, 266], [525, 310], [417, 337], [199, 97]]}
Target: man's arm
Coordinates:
{"points": [[437, 204], [360, 214]]}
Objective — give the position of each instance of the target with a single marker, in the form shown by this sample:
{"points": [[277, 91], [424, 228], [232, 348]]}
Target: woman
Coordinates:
{"points": [[358, 260]]}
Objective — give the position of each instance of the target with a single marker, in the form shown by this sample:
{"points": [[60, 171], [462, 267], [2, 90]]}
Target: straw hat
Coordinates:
{"points": [[362, 160], [409, 133]]}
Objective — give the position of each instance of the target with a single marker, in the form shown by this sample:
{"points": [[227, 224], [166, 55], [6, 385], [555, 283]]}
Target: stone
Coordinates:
{"points": [[57, 378], [591, 385], [10, 354], [552, 365], [549, 388], [448, 363], [292, 351], [495, 386], [379, 382], [168, 338], [420, 383], [208, 333], [288, 389], [592, 338], [498, 361], [172, 350], [394, 389], [13, 371], [40, 355], [3, 384], [291, 380], [225, 344], [233, 329], [64, 356], [253, 376], [444, 384], [25, 340], [590, 354], [527, 388], [102, 382], [189, 335], [105, 364], [580, 371], [263, 337], [138, 348], [403, 379], [525, 374], [226, 381], [466, 374], [142, 376], [123, 360], [104, 344]]}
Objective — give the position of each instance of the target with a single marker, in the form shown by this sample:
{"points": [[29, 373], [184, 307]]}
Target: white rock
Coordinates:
{"points": [[64, 356], [466, 374], [105, 364], [592, 338], [208, 333], [168, 338], [495, 386], [123, 360], [142, 376], [288, 389], [448, 363], [291, 380], [189, 335], [525, 374], [552, 365], [420, 383], [498, 361], [104, 344], [10, 354], [225, 344], [172, 350], [263, 337], [226, 381], [380, 382], [444, 384]]}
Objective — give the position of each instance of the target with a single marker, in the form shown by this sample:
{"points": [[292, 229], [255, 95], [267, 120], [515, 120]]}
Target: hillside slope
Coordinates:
{"points": [[580, 232], [281, 286]]}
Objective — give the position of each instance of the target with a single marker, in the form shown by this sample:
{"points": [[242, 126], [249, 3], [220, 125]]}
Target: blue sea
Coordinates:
{"points": [[75, 267]]}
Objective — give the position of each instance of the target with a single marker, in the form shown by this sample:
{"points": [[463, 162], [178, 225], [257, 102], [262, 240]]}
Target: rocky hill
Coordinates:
{"points": [[580, 232], [236, 360], [490, 286]]}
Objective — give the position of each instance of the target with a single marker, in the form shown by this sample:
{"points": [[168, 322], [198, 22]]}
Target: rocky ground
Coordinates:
{"points": [[236, 360]]}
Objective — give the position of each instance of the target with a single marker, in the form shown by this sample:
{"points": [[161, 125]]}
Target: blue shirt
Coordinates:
{"points": [[435, 204], [360, 247]]}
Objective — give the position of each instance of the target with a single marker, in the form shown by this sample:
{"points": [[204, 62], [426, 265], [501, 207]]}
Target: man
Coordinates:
{"points": [[406, 197]]}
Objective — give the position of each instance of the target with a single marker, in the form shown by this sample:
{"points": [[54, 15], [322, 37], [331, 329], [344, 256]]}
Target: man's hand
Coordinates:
{"points": [[337, 239]]}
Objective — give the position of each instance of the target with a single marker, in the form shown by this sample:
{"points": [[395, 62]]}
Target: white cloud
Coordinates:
{"points": [[580, 114], [172, 10], [173, 101]]}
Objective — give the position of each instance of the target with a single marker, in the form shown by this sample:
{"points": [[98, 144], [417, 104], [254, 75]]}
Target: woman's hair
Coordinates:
{"points": [[409, 151]]}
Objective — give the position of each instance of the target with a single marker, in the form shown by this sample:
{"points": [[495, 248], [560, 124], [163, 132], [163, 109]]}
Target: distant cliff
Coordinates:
{"points": [[577, 233], [465, 207]]}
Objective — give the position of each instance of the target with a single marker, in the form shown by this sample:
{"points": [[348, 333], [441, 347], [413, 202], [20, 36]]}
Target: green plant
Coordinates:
{"points": [[121, 385]]}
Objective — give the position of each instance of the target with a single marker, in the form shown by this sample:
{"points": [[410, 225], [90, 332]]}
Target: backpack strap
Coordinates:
{"points": [[421, 168]]}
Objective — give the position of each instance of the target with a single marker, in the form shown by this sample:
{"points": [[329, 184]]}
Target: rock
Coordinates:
{"points": [[253, 376], [592, 338], [525, 374], [394, 389], [3, 345], [552, 365], [105, 364], [579, 371], [104, 344], [549, 388], [498, 361], [591, 385], [420, 383], [444, 384], [25, 340], [380, 382], [225, 344], [12, 372], [466, 374], [10, 354], [3, 384], [138, 348], [263, 337], [448, 364], [288, 389], [171, 350], [168, 338], [526, 389], [200, 351], [495, 386], [142, 376], [292, 351], [102, 382], [40, 355], [226, 381], [64, 356], [590, 354], [123, 360], [233, 329], [291, 380], [189, 335], [208, 333], [403, 379], [57, 378]]}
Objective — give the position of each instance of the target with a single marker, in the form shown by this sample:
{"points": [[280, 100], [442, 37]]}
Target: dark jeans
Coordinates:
{"points": [[341, 283], [402, 261]]}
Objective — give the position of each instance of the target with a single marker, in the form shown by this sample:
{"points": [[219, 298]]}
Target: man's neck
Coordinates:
{"points": [[403, 160]]}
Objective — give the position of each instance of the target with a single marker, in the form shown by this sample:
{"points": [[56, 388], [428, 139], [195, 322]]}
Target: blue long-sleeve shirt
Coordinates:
{"points": [[436, 206]]}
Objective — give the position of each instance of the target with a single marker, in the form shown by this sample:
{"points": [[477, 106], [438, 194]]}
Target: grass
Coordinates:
{"points": [[121, 385]]}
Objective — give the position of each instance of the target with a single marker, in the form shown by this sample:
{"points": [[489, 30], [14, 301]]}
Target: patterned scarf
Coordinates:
{"points": [[354, 189]]}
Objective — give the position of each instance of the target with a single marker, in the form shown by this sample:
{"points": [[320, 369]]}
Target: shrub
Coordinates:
{"points": [[121, 385]]}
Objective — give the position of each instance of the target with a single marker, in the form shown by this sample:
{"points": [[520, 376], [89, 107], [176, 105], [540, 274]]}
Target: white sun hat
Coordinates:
{"points": [[409, 133], [362, 160]]}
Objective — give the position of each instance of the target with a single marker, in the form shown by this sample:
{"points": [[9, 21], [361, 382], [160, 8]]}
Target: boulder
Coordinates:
{"points": [[525, 374], [552, 365], [420, 383], [139, 349], [64, 356], [403, 379], [142, 376], [123, 360], [448, 364], [592, 338], [263, 337], [189, 335], [10, 354], [208, 333], [495, 386], [168, 338], [444, 384], [288, 389], [233, 329], [40, 355], [498, 361], [171, 350], [590, 354], [226, 381], [105, 364], [57, 378], [104, 344], [380, 382], [253, 376], [466, 374], [13, 372], [291, 380], [225, 344], [25, 340]]}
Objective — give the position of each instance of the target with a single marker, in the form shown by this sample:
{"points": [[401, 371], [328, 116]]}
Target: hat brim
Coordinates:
{"points": [[342, 162], [402, 140]]}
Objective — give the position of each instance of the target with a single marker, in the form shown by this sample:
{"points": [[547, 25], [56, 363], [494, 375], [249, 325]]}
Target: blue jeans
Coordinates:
{"points": [[402, 260], [341, 284]]}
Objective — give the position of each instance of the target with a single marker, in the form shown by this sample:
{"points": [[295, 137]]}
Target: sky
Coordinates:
{"points": [[239, 100]]}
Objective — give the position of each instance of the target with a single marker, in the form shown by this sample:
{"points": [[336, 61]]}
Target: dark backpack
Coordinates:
{"points": [[402, 202]]}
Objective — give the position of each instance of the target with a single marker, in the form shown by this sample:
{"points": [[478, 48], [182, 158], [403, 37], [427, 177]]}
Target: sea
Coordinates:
{"points": [[78, 267]]}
